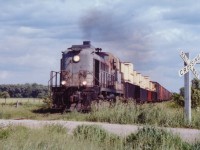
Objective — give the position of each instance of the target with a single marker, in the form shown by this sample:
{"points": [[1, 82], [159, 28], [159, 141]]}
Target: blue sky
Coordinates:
{"points": [[150, 34]]}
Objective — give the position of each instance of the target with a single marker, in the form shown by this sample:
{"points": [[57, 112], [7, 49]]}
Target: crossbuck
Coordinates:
{"points": [[189, 65]]}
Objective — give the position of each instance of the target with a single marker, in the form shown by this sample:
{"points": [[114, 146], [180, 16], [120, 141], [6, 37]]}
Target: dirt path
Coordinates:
{"points": [[189, 135]]}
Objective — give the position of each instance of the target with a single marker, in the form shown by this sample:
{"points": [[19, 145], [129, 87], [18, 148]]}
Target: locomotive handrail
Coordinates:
{"points": [[51, 78], [107, 78]]}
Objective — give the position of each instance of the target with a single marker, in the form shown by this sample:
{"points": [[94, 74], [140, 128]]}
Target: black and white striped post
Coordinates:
{"points": [[188, 65]]}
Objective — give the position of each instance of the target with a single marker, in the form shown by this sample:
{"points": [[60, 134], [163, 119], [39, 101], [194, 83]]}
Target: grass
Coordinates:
{"points": [[21, 100], [49, 137], [93, 137], [165, 114], [88, 138], [99, 136], [159, 114], [9, 109]]}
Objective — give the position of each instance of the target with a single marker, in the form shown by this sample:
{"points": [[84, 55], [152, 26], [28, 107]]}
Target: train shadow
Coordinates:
{"points": [[46, 111]]}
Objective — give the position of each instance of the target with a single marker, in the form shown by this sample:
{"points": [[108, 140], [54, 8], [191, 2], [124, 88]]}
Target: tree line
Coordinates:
{"points": [[195, 94], [24, 90]]}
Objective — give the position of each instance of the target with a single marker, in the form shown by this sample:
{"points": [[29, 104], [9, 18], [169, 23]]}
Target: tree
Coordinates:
{"points": [[182, 91], [195, 94], [5, 95], [24, 90], [195, 98], [178, 99], [41, 95], [196, 84]]}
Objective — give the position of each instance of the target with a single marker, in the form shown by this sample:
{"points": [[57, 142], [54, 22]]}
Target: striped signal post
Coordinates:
{"points": [[188, 65]]}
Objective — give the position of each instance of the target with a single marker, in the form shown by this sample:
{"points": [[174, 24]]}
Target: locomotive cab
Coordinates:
{"points": [[77, 66]]}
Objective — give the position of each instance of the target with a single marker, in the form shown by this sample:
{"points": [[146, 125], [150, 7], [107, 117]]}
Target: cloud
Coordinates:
{"points": [[184, 15], [149, 34], [32, 37], [4, 75]]}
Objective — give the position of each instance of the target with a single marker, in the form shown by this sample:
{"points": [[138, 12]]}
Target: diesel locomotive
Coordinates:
{"points": [[88, 74]]}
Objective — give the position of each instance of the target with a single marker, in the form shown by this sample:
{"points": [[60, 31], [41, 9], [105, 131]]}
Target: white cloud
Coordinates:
{"points": [[4, 75], [170, 35], [28, 30]]}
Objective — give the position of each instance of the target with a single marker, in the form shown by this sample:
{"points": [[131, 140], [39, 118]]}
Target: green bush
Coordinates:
{"points": [[178, 99], [155, 139], [48, 101], [195, 95], [195, 98]]}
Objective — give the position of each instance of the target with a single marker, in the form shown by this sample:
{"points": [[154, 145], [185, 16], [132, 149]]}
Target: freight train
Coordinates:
{"points": [[88, 74]]}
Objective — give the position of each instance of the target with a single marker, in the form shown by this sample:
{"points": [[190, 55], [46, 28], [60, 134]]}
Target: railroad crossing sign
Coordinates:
{"points": [[189, 65]]}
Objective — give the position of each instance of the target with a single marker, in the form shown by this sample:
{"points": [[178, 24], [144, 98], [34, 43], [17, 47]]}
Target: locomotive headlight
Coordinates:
{"points": [[63, 82], [84, 83], [76, 58]]}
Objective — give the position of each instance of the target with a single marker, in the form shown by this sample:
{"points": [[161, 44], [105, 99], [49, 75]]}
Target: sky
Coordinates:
{"points": [[150, 34]]}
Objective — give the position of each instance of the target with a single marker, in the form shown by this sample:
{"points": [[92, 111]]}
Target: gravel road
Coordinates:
{"points": [[188, 135]]}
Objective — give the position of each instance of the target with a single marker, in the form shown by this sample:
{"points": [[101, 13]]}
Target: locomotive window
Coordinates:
{"points": [[96, 71], [104, 67], [106, 58]]}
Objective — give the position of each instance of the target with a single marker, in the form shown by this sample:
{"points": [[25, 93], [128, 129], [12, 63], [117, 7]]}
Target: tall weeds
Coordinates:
{"points": [[159, 114]]}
